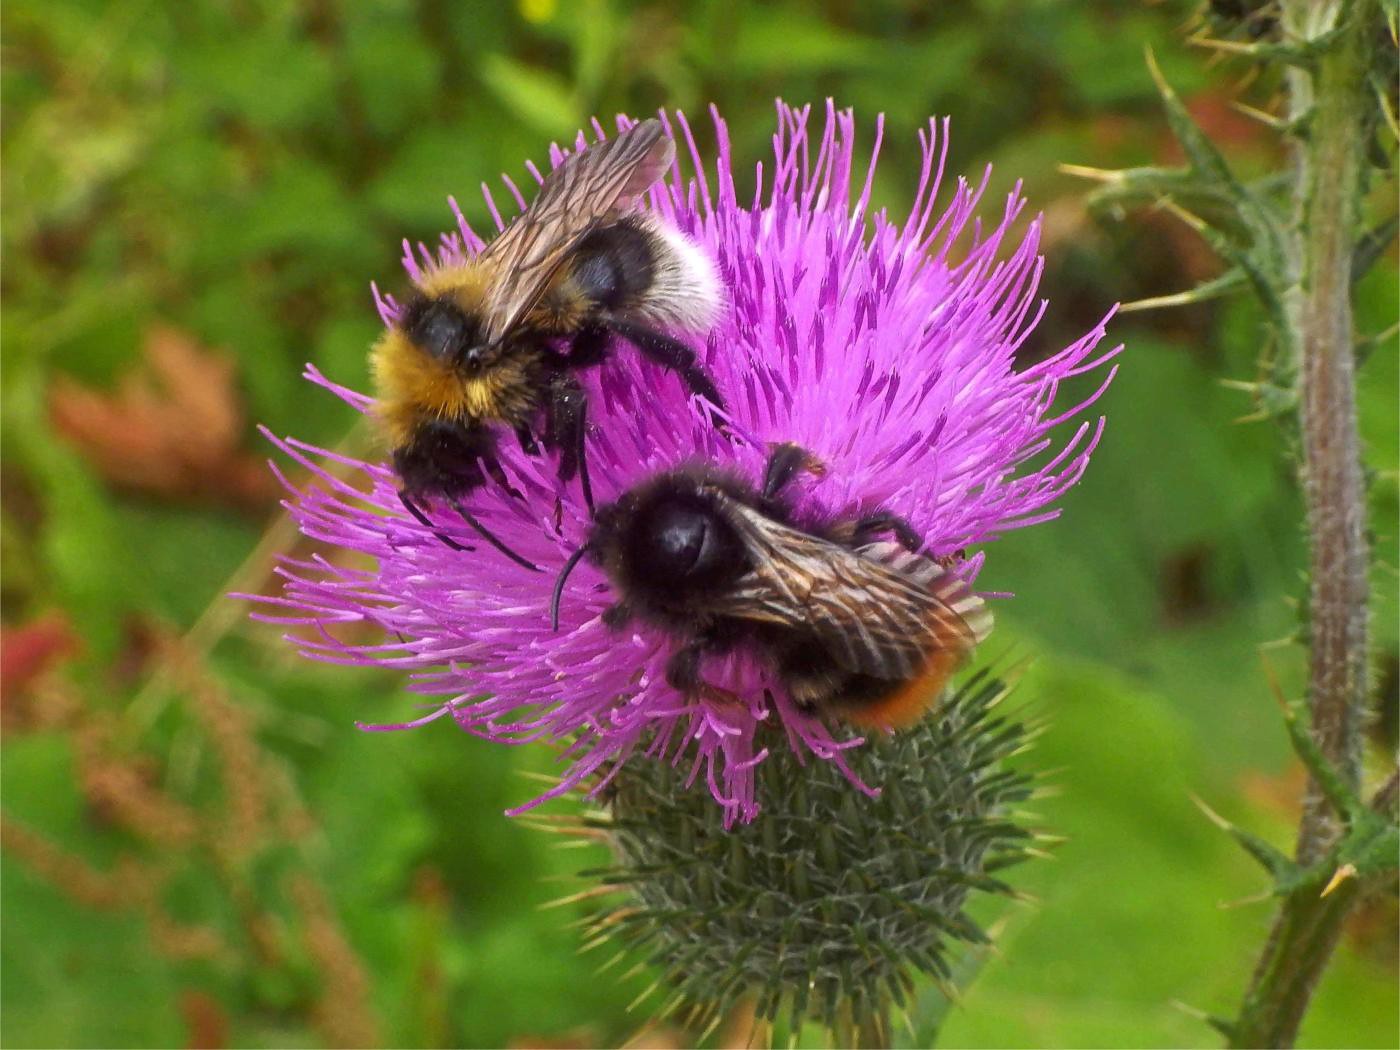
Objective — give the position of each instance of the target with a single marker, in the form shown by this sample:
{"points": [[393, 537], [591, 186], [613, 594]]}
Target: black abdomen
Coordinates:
{"points": [[443, 459], [614, 266]]}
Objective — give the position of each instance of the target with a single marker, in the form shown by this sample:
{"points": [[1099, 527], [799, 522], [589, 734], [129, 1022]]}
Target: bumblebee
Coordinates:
{"points": [[854, 624], [491, 342]]}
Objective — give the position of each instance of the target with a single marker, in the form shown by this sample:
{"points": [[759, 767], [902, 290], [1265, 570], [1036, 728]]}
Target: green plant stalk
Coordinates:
{"points": [[1329, 187]]}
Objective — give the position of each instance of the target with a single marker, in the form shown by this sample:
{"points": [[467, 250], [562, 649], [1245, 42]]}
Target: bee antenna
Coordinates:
{"points": [[574, 559], [489, 538]]}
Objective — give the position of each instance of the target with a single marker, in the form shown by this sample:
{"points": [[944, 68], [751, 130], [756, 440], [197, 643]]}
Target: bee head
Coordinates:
{"points": [[443, 330], [677, 540]]}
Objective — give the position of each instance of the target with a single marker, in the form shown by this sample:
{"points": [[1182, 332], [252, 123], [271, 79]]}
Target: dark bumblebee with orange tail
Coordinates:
{"points": [[855, 626], [478, 345]]}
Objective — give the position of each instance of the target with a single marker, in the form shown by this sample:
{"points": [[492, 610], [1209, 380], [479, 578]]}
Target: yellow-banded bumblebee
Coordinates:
{"points": [[478, 344], [854, 625]]}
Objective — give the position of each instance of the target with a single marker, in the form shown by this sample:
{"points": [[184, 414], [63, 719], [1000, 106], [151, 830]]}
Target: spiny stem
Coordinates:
{"points": [[1330, 183], [1332, 483]]}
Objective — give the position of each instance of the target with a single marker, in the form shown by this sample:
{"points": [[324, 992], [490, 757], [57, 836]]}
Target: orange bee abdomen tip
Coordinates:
{"points": [[910, 700]]}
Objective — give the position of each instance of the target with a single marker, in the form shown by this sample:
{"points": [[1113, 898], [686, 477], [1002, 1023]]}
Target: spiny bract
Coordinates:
{"points": [[826, 905]]}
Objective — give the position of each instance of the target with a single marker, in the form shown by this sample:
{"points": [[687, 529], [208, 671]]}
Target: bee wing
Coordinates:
{"points": [[878, 610], [584, 191]]}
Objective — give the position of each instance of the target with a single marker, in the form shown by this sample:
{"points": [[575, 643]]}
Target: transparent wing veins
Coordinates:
{"points": [[879, 610], [586, 190]]}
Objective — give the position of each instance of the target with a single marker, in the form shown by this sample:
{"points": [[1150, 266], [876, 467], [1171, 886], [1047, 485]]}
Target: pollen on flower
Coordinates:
{"points": [[888, 349]]}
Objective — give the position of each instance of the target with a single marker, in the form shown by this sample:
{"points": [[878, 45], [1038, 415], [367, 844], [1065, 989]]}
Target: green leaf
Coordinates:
{"points": [[542, 99]]}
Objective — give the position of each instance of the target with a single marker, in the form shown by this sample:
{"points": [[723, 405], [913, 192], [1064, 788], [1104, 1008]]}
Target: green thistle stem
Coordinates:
{"points": [[1330, 183]]}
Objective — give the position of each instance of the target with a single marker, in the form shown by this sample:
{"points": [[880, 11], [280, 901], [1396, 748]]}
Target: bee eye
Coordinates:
{"points": [[677, 543], [681, 541]]}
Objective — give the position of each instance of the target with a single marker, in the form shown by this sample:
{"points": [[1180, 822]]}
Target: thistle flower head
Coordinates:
{"points": [[889, 349]]}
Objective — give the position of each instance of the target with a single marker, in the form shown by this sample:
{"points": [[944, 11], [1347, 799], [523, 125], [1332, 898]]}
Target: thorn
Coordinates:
{"points": [[1243, 902], [1250, 418], [552, 828], [709, 1029], [1155, 72], [1213, 43], [949, 990], [1346, 871], [1267, 119], [594, 943], [539, 778], [1245, 385], [556, 818], [1011, 675], [1082, 171], [1189, 218], [1275, 688], [645, 994], [611, 962], [1383, 336], [1159, 302], [908, 1021], [1193, 1012], [1388, 113], [1273, 860], [1291, 55], [574, 898], [1337, 792], [581, 840], [1211, 815]]}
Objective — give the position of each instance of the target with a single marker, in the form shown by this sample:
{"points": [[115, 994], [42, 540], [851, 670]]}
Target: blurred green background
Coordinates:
{"points": [[199, 847]]}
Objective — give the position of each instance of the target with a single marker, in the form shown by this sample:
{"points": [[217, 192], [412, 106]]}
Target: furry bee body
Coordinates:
{"points": [[493, 341], [866, 630]]}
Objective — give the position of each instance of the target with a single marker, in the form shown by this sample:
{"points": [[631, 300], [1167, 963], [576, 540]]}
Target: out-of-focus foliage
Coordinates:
{"points": [[201, 849]]}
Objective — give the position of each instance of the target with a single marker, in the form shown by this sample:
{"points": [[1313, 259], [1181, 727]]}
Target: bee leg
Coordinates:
{"points": [[683, 675], [675, 355], [568, 411], [486, 535], [617, 615], [417, 511], [784, 461], [589, 346], [497, 474], [883, 521], [527, 440]]}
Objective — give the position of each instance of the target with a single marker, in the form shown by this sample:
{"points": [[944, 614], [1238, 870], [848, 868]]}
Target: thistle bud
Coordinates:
{"points": [[826, 906]]}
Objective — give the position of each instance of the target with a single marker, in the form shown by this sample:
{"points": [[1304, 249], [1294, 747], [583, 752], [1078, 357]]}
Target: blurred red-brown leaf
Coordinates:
{"points": [[27, 650], [172, 428], [204, 1019], [1278, 794]]}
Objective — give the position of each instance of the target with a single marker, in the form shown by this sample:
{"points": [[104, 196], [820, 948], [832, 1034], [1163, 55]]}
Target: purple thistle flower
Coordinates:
{"points": [[887, 349]]}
